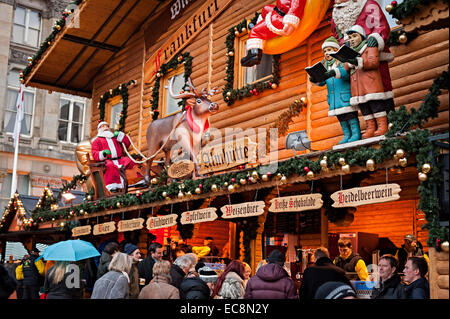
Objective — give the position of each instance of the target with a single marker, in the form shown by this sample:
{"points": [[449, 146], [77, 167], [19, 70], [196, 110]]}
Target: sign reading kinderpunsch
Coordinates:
{"points": [[296, 203], [81, 231], [104, 228], [161, 221], [199, 216], [366, 195], [243, 210], [130, 224]]}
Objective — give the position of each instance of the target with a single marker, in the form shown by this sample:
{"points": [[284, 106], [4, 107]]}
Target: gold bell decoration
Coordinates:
{"points": [[388, 8], [279, 175], [310, 175], [283, 179], [198, 190], [189, 194], [118, 205], [154, 181], [244, 30], [324, 163], [426, 168], [255, 175], [274, 86], [403, 38], [164, 194], [236, 33], [265, 178], [422, 177], [400, 153], [225, 184], [304, 100], [346, 168], [214, 188], [231, 188], [370, 164], [243, 181], [403, 162], [444, 246], [180, 195], [231, 53], [342, 161], [29, 59]]}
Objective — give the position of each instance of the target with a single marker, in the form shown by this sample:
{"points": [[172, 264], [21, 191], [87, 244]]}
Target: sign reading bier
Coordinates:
{"points": [[131, 224], [296, 203], [226, 155], [161, 221], [243, 210], [199, 216], [366, 195], [81, 231], [104, 228]]}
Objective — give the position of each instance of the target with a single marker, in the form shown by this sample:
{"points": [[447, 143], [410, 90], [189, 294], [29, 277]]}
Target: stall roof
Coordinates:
{"points": [[78, 54]]}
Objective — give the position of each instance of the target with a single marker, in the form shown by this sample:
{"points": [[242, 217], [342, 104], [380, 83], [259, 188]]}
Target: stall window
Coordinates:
{"points": [[11, 107], [391, 19], [71, 117], [170, 105], [26, 27], [257, 73], [114, 107]]}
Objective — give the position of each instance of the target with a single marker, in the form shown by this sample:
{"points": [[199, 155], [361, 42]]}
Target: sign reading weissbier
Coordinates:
{"points": [[104, 228], [296, 203], [366, 195], [130, 224], [81, 231], [199, 216], [161, 221], [243, 210]]}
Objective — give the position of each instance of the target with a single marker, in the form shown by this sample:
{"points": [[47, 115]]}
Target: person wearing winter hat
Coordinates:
{"points": [[134, 252], [367, 84], [209, 276], [339, 94], [335, 290]]}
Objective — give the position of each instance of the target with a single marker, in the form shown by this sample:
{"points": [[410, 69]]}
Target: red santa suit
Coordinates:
{"points": [[273, 18], [106, 141], [375, 24]]}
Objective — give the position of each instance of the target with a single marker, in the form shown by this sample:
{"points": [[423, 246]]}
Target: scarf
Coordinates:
{"points": [[105, 134], [358, 49]]}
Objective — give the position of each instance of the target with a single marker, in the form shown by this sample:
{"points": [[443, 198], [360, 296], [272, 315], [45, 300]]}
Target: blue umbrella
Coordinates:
{"points": [[70, 250]]}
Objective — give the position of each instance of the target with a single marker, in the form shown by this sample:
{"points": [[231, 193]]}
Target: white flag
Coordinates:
{"points": [[19, 115]]}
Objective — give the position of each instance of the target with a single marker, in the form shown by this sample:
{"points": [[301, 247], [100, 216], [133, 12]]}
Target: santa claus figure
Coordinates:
{"points": [[369, 15], [107, 147], [279, 20]]}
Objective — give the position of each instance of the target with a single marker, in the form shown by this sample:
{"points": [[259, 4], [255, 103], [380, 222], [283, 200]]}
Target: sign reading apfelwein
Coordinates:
{"points": [[199, 216], [296, 203], [366, 195]]}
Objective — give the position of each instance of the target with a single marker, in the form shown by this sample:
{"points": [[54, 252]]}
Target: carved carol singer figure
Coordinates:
{"points": [[279, 20], [366, 84], [338, 86]]}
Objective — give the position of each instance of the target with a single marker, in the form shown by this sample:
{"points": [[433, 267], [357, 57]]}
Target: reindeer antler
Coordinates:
{"points": [[213, 91], [179, 96]]}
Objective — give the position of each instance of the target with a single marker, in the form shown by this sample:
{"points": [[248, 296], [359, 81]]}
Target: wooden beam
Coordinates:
{"points": [[94, 44], [52, 87]]}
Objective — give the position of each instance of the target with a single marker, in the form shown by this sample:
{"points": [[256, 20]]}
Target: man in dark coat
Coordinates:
{"points": [[7, 283], [271, 281], [146, 266], [192, 287], [321, 272], [106, 257], [390, 285], [179, 269], [415, 270]]}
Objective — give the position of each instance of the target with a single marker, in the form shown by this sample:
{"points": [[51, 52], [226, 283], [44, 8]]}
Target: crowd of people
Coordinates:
{"points": [[121, 273]]}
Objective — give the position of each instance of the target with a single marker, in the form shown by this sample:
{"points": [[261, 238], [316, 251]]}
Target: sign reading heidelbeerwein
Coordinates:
{"points": [[243, 210], [199, 216], [296, 203], [161, 221], [366, 195]]}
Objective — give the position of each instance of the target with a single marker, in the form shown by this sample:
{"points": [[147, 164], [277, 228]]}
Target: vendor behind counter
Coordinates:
{"points": [[352, 263]]}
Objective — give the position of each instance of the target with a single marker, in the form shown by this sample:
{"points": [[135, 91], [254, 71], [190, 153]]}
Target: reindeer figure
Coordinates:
{"points": [[182, 130]]}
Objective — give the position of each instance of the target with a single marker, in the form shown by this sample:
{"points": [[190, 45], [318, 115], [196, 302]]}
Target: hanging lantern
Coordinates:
{"points": [[422, 177], [426, 168], [370, 164]]}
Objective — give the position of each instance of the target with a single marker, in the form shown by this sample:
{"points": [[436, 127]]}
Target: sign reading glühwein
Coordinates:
{"points": [[199, 216], [81, 231], [104, 228], [366, 195], [130, 224], [243, 210], [161, 221], [296, 203]]}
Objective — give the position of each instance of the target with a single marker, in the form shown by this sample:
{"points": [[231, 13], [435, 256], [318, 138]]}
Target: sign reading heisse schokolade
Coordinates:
{"points": [[199, 216], [130, 224], [104, 228], [161, 221], [243, 210], [222, 156], [296, 203], [81, 231], [366, 195]]}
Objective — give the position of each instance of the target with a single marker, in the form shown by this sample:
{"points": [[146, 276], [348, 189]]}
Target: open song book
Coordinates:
{"points": [[345, 53], [317, 72]]}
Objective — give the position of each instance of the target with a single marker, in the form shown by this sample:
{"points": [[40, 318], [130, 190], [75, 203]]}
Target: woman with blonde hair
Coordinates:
{"points": [[60, 282], [160, 287], [247, 273], [114, 284]]}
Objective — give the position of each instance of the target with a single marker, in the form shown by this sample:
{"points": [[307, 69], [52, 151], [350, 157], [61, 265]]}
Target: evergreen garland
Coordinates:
{"points": [[184, 58], [230, 95], [394, 37], [409, 7]]}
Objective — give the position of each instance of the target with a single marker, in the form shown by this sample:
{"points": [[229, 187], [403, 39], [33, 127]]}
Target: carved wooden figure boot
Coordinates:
{"points": [[371, 125], [382, 126]]}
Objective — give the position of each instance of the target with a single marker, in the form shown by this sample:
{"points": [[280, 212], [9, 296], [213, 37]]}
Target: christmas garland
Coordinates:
{"points": [[282, 124], [399, 36], [230, 95], [184, 58], [46, 202], [122, 90], [59, 25], [13, 208], [408, 7]]}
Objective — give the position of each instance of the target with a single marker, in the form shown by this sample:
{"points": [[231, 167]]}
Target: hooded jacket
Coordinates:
{"points": [[232, 287], [194, 288], [389, 289], [103, 264], [271, 282], [419, 289]]}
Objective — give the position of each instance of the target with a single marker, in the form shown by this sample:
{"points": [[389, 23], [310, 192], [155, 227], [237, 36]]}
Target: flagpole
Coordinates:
{"points": [[16, 136], [14, 175]]}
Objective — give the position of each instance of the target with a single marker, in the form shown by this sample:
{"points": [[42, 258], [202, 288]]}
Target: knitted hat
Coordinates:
{"points": [[129, 248], [331, 42], [199, 265], [207, 274], [357, 29], [410, 237], [101, 123], [276, 256], [334, 290]]}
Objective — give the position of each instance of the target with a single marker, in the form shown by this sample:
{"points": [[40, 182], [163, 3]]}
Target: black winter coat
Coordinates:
{"points": [[194, 288], [7, 283], [103, 264], [389, 289], [321, 272], [146, 269], [177, 275], [60, 290], [419, 289]]}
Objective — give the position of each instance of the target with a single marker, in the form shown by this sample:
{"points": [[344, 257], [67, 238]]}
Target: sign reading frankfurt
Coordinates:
{"points": [[243, 210], [161, 221], [199, 216], [296, 203], [366, 195]]}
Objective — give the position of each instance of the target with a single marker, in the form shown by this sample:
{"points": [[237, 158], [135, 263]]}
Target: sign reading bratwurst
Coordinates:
{"points": [[161, 221], [366, 195], [243, 210]]}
